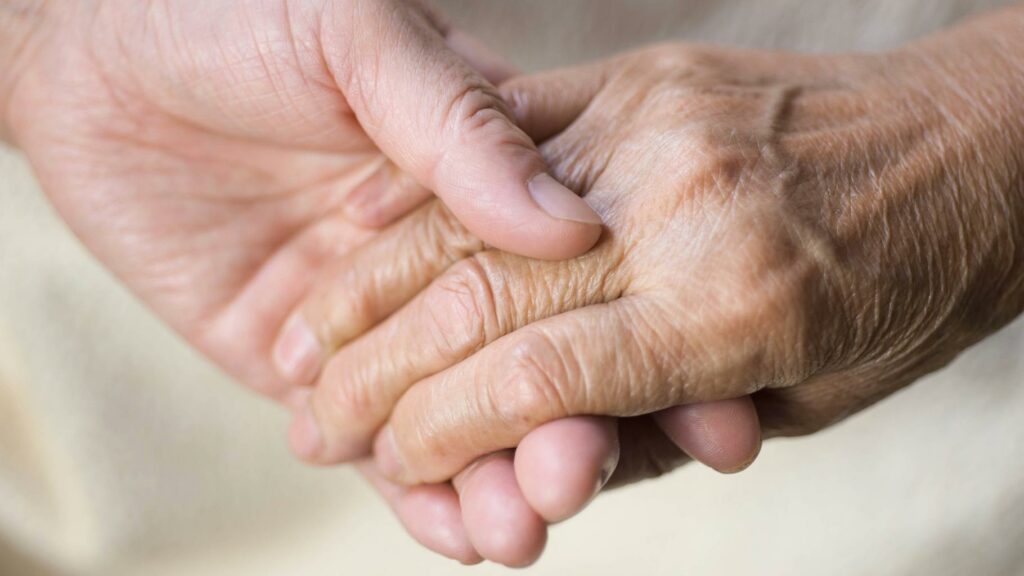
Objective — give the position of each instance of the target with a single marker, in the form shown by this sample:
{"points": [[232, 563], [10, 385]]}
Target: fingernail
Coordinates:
{"points": [[607, 469], [307, 440], [746, 464], [560, 202], [297, 352], [386, 454]]}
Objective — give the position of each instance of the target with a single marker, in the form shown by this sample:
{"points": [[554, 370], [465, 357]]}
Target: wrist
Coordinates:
{"points": [[973, 79], [21, 22], [976, 74]]}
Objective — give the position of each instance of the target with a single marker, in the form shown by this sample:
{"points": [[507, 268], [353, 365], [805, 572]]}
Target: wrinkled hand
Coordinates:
{"points": [[817, 231], [490, 510]]}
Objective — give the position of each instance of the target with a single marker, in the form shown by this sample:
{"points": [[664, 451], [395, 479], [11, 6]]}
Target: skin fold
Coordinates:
{"points": [[813, 231]]}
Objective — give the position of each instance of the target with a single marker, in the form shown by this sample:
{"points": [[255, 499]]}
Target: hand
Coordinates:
{"points": [[499, 507], [209, 155], [214, 157], [816, 230]]}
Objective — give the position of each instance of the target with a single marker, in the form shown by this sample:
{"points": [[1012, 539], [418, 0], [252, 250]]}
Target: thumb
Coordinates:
{"points": [[441, 121]]}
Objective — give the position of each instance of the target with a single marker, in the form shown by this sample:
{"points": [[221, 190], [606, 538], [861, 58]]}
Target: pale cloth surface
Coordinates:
{"points": [[123, 453]]}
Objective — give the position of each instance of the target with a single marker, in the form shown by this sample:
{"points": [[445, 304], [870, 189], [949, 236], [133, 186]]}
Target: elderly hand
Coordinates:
{"points": [[490, 510], [817, 231]]}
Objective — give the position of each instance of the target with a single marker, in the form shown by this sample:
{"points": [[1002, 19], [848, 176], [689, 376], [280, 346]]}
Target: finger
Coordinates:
{"points": [[645, 453], [384, 197], [263, 306], [500, 523], [431, 513], [445, 124], [648, 452], [553, 465], [619, 359], [547, 103], [475, 302], [562, 465], [724, 435], [358, 291], [392, 193]]}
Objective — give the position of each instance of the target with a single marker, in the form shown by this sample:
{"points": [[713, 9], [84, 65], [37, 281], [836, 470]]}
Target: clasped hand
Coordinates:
{"points": [[765, 242], [774, 235]]}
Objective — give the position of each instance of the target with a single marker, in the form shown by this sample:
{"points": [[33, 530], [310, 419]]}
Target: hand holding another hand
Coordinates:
{"points": [[218, 157], [777, 225], [813, 231]]}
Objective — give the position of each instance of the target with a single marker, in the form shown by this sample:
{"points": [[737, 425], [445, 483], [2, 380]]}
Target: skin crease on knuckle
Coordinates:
{"points": [[477, 114], [531, 388], [359, 291], [459, 303], [463, 299], [350, 398]]}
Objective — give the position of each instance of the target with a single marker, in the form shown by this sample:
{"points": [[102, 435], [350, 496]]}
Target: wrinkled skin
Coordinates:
{"points": [[817, 231], [221, 157]]}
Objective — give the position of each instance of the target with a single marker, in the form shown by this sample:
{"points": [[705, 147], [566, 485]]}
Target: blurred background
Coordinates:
{"points": [[122, 452]]}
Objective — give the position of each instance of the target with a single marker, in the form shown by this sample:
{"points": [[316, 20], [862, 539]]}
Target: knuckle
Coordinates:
{"points": [[477, 106], [720, 169], [534, 385], [477, 118], [517, 99], [723, 170], [351, 305], [420, 444], [350, 401], [673, 59], [461, 305]]}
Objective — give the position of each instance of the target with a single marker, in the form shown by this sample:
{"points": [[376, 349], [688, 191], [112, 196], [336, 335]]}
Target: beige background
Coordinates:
{"points": [[123, 453]]}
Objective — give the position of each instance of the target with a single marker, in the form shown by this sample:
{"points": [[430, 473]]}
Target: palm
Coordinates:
{"points": [[219, 228]]}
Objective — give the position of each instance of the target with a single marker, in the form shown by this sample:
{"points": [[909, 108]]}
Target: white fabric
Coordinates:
{"points": [[123, 453]]}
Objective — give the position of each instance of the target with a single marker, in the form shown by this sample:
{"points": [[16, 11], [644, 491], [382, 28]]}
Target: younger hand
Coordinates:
{"points": [[211, 154]]}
